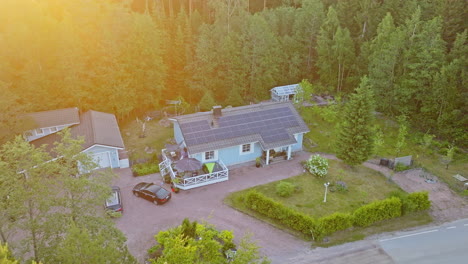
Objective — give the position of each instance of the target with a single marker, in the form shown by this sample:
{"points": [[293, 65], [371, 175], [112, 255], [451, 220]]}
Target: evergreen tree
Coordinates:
{"points": [[336, 55], [325, 61], [207, 102], [385, 51], [423, 57], [355, 142]]}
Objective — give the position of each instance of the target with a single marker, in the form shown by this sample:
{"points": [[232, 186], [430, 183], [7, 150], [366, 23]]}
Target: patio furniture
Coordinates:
{"points": [[188, 164]]}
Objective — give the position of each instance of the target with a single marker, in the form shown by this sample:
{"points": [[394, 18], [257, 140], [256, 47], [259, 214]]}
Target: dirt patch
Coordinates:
{"points": [[446, 205]]}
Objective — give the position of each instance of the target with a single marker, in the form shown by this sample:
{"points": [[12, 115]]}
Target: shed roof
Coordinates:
{"points": [[272, 124], [286, 89], [97, 128], [53, 118]]}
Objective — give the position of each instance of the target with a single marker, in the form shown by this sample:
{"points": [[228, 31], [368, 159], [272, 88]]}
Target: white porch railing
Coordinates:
{"points": [[165, 168]]}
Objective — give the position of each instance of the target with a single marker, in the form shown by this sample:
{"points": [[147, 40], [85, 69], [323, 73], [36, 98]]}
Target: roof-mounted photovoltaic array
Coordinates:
{"points": [[270, 124]]}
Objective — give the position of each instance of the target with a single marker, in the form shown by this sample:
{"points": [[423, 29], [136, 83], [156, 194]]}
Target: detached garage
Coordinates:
{"points": [[102, 159], [102, 139]]}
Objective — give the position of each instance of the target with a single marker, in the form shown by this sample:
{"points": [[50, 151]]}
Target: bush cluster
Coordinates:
{"points": [[377, 211], [286, 216], [285, 189], [317, 165], [335, 222], [145, 169], [413, 202], [364, 216]]}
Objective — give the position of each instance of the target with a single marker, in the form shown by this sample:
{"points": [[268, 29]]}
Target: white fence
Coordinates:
{"points": [[196, 181]]}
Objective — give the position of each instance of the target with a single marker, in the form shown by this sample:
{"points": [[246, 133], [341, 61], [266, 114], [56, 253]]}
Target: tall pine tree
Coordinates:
{"points": [[355, 142]]}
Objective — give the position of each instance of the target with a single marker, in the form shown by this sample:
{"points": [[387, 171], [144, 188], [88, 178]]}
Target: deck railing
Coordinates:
{"points": [[196, 181]]}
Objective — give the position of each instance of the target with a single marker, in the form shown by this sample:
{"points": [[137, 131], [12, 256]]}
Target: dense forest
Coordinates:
{"points": [[128, 57]]}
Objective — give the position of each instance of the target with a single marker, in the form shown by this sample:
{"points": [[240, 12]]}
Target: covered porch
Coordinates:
{"points": [[211, 172], [276, 155]]}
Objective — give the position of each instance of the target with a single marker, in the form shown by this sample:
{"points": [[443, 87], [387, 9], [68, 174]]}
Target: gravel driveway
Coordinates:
{"points": [[142, 219]]}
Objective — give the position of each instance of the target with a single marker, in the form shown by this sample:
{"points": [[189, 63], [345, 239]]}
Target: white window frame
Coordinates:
{"points": [[215, 155], [53, 129], [39, 129], [251, 149]]}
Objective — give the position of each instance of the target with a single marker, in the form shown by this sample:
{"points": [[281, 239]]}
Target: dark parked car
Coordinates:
{"points": [[114, 202], [152, 192]]}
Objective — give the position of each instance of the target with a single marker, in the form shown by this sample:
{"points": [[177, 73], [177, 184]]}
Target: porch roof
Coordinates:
{"points": [[272, 124]]}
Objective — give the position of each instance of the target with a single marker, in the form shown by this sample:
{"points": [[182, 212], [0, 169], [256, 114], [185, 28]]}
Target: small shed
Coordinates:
{"points": [[286, 93]]}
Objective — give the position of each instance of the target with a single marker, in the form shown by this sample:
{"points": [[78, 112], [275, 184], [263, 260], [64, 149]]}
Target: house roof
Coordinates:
{"points": [[272, 124], [97, 128], [54, 117], [286, 89]]}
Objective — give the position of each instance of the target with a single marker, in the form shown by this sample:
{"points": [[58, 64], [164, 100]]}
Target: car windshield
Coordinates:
{"points": [[114, 199], [158, 190]]}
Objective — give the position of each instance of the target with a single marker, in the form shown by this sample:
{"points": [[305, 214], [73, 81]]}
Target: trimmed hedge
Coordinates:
{"points": [[377, 211], [420, 200], [335, 222], [413, 202], [145, 169], [287, 216], [364, 216]]}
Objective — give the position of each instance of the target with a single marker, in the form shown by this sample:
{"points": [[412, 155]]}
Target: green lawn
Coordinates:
{"points": [[155, 137], [322, 124], [365, 185]]}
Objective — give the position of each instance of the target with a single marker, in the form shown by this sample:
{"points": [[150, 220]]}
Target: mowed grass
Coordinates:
{"points": [[155, 137], [323, 135], [364, 186]]}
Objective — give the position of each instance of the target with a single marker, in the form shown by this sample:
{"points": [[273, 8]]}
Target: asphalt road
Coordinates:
{"points": [[447, 243]]}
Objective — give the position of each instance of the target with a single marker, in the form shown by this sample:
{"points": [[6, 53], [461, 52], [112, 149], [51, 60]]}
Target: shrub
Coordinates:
{"points": [[377, 211], [413, 202], [286, 216], [341, 186], [145, 168], [420, 200], [317, 165], [284, 189], [401, 167], [335, 222]]}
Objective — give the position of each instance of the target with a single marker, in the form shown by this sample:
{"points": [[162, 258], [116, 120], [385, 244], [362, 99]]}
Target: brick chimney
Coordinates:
{"points": [[217, 111]]}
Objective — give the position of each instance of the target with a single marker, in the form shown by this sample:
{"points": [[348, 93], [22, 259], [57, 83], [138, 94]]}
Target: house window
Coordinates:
{"points": [[53, 129], [39, 131], [210, 155], [246, 148]]}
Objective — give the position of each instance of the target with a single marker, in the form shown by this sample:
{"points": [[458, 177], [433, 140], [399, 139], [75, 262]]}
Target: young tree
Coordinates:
{"points": [[26, 173], [182, 245], [56, 199], [402, 133], [355, 142], [448, 158]]}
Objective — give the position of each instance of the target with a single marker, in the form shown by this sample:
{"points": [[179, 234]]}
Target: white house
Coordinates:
{"points": [[100, 131]]}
